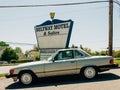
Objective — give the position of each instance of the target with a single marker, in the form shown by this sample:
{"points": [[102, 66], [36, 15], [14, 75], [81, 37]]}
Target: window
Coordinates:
{"points": [[60, 55], [68, 54], [78, 54], [64, 55]]}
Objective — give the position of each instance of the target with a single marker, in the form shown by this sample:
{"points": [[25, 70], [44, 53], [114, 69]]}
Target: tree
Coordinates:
{"points": [[81, 47], [116, 53], [18, 50], [37, 57], [3, 43], [73, 46], [103, 53], [36, 48], [88, 50], [96, 53], [9, 54], [26, 53]]}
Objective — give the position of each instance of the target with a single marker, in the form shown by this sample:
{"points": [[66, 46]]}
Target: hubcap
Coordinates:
{"points": [[89, 72], [26, 78]]}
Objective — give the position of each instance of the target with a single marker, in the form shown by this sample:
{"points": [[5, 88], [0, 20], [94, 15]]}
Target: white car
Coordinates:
{"points": [[63, 62]]}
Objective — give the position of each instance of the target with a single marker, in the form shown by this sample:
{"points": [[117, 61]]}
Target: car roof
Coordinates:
{"points": [[75, 49], [69, 49]]}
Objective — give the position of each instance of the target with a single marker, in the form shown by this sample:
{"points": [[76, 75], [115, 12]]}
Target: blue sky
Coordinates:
{"points": [[90, 22]]}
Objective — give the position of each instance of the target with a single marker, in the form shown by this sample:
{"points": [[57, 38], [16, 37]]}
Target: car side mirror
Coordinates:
{"points": [[53, 60]]}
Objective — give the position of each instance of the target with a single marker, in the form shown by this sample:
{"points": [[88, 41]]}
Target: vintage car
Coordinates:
{"points": [[63, 62]]}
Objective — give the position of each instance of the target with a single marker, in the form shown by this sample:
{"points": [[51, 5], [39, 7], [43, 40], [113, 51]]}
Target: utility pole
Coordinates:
{"points": [[110, 47]]}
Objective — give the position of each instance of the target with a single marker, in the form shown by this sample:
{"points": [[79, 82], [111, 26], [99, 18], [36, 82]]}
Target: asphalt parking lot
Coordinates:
{"points": [[109, 80]]}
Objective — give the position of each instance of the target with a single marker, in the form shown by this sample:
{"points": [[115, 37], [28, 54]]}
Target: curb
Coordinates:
{"points": [[2, 78]]}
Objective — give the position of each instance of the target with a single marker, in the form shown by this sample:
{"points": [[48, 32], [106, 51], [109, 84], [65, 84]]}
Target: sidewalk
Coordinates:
{"points": [[1, 78]]}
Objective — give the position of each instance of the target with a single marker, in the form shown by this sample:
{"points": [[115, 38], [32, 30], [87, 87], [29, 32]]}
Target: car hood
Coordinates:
{"points": [[32, 63]]}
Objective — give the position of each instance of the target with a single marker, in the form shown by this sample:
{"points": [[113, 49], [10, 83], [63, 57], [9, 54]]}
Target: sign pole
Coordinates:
{"points": [[110, 27]]}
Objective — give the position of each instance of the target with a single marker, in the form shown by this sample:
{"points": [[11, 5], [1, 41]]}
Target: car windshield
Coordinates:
{"points": [[85, 53], [51, 57]]}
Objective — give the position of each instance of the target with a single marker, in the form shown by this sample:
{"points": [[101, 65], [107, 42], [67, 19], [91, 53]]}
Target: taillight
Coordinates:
{"points": [[12, 71], [112, 61]]}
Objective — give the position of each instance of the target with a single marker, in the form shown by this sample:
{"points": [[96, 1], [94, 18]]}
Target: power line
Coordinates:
{"points": [[64, 4], [27, 44], [118, 2]]}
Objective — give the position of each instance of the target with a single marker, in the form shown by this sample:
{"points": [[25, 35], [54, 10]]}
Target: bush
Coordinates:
{"points": [[13, 61], [117, 58], [9, 54]]}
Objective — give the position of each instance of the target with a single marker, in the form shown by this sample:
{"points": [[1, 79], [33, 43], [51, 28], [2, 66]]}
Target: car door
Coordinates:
{"points": [[63, 64]]}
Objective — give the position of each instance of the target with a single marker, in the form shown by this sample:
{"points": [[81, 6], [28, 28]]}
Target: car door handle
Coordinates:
{"points": [[72, 62]]}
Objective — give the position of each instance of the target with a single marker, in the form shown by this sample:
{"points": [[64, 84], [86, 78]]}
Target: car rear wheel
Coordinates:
{"points": [[26, 78], [89, 72]]}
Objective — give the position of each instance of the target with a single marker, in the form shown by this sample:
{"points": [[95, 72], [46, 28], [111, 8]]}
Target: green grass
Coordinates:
{"points": [[117, 61], [3, 75]]}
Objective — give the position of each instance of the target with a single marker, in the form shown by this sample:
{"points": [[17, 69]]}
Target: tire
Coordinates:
{"points": [[89, 72], [26, 78]]}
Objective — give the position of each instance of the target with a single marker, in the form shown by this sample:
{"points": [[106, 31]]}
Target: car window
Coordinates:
{"points": [[60, 56], [64, 55], [78, 54]]}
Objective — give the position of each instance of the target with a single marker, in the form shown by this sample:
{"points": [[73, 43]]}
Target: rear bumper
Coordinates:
{"points": [[107, 67], [10, 76]]}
